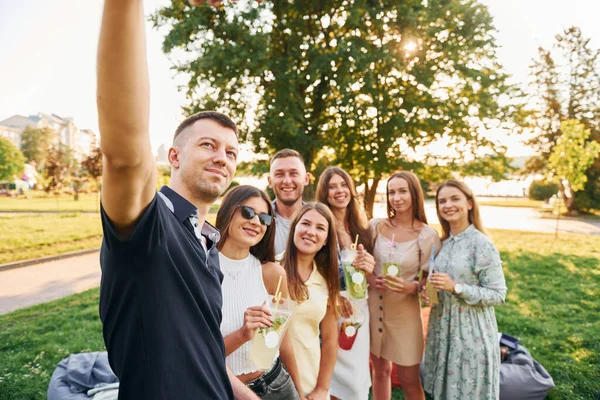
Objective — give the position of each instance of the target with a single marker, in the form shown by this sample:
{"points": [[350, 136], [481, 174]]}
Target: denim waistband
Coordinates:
{"points": [[259, 385]]}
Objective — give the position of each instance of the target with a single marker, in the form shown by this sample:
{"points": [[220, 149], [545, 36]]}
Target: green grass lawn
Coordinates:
{"points": [[552, 306], [62, 203], [24, 236], [40, 202], [548, 212]]}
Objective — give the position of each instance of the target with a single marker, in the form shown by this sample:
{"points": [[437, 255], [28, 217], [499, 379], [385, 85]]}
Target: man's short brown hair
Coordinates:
{"points": [[218, 117], [284, 153]]}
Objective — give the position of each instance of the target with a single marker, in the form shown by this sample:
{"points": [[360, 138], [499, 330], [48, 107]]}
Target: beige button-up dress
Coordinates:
{"points": [[396, 326]]}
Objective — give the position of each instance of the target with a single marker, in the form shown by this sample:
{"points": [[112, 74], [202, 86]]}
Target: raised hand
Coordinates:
{"points": [[254, 318], [364, 261]]}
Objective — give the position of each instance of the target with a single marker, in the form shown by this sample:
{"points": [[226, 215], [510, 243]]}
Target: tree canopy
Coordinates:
{"points": [[566, 86], [362, 83], [571, 156], [11, 160], [35, 144]]}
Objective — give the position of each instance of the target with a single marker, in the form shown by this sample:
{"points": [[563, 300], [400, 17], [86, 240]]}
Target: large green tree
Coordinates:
{"points": [[571, 157], [11, 160], [566, 86], [360, 82], [35, 143]]}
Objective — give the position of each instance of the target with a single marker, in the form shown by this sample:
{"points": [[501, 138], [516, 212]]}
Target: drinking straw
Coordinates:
{"points": [[432, 258], [355, 245], [277, 295]]}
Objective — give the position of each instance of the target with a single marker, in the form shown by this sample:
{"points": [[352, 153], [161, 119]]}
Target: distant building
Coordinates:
{"points": [[161, 155], [81, 141], [86, 142]]}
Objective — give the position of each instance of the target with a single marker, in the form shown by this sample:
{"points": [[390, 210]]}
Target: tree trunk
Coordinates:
{"points": [[568, 197], [370, 193]]}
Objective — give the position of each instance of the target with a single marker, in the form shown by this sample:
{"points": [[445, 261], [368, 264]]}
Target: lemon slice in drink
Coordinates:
{"points": [[350, 330], [358, 289], [392, 270], [272, 339], [358, 278]]}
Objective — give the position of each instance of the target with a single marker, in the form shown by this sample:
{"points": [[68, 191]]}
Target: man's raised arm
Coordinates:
{"points": [[123, 97]]}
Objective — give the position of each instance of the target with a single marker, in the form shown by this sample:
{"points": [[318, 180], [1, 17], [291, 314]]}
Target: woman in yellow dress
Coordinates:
{"points": [[311, 263]]}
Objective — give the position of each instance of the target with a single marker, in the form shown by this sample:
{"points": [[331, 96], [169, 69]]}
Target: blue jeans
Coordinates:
{"points": [[275, 384]]}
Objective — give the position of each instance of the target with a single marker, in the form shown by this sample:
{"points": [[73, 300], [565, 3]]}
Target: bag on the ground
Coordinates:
{"points": [[83, 376], [522, 377]]}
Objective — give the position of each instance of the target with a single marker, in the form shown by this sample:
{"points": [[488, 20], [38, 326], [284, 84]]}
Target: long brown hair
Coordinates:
{"points": [[263, 250], [356, 222], [326, 258], [474, 216], [416, 195]]}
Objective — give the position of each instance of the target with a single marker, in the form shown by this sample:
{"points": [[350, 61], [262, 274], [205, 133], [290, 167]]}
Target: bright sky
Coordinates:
{"points": [[48, 51]]}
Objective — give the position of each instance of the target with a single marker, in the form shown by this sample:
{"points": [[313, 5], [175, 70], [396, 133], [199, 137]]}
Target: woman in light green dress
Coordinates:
{"points": [[462, 357]]}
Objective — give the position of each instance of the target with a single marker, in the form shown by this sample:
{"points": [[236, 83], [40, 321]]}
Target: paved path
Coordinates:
{"points": [[23, 287], [517, 218]]}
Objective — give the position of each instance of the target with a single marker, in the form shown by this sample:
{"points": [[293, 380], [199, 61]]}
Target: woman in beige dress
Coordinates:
{"points": [[395, 312]]}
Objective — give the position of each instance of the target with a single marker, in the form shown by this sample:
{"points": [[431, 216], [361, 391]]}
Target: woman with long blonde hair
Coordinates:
{"points": [[462, 360]]}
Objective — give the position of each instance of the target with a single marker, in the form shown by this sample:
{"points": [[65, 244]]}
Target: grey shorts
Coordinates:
{"points": [[275, 384]]}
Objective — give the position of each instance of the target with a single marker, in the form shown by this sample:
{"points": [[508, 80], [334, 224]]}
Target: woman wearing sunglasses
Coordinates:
{"points": [[245, 220], [311, 263]]}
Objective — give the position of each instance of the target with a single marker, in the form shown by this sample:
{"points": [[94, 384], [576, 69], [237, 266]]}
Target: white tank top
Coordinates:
{"points": [[242, 287]]}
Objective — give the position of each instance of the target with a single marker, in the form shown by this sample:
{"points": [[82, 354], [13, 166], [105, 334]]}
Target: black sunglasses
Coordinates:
{"points": [[249, 213]]}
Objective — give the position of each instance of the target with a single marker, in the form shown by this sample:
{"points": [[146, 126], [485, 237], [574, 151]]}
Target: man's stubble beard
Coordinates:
{"points": [[289, 203], [206, 191], [209, 191]]}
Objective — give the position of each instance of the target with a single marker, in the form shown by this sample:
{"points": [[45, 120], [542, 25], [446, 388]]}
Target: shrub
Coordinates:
{"points": [[542, 190]]}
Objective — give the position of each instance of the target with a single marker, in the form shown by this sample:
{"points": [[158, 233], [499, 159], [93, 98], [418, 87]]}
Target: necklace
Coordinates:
{"points": [[234, 273]]}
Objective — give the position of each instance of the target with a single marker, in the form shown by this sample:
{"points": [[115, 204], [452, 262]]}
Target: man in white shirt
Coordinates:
{"points": [[287, 178]]}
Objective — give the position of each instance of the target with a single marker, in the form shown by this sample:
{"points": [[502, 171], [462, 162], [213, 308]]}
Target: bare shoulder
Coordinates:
{"points": [[419, 226], [373, 222], [428, 232], [273, 268], [272, 271]]}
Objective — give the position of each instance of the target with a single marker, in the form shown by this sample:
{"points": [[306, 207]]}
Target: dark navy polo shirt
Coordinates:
{"points": [[160, 305]]}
